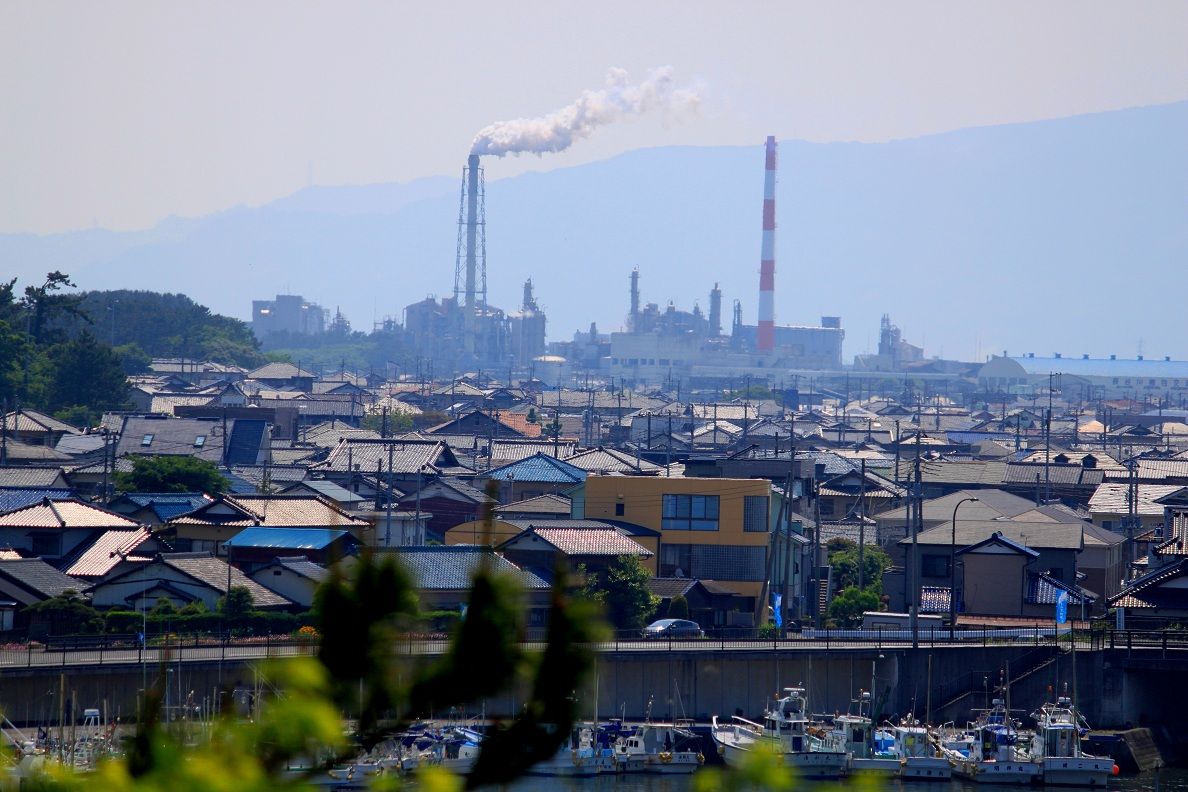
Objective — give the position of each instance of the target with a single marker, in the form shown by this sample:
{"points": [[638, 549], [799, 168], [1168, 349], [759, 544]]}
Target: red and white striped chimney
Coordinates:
{"points": [[766, 336]]}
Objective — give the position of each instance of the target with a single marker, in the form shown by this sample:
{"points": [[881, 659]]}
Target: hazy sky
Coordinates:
{"points": [[118, 114]]}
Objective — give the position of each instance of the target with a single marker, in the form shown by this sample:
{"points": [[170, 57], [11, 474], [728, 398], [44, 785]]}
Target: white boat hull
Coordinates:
{"points": [[1082, 771], [999, 772], [926, 768], [810, 764], [876, 766], [573, 766]]}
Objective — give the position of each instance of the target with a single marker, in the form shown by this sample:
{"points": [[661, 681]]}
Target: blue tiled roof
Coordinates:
{"points": [[1043, 590], [167, 505], [452, 567], [539, 467], [11, 499], [287, 538]]}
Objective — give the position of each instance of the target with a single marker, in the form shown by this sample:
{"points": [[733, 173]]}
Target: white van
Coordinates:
{"points": [[878, 620]]}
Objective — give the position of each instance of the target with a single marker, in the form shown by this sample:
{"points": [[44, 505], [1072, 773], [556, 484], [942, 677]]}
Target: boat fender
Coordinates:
{"points": [[701, 759], [665, 757], [1116, 770], [721, 750]]}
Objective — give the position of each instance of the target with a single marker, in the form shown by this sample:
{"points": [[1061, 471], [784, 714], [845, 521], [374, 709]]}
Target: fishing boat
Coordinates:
{"points": [[658, 748], [855, 736], [579, 756], [920, 757], [785, 732], [1056, 748], [994, 756]]}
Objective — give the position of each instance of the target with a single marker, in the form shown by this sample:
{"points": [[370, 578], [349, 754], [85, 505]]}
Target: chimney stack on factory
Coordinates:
{"points": [[766, 332], [715, 312], [471, 261]]}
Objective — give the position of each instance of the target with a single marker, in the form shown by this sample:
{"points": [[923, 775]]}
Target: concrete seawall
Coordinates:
{"points": [[1112, 691]]}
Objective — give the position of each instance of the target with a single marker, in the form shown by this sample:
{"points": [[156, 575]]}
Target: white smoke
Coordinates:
{"points": [[559, 130]]}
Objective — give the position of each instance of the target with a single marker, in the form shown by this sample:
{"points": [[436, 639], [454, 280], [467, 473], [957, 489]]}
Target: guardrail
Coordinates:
{"points": [[1131, 640], [86, 650]]}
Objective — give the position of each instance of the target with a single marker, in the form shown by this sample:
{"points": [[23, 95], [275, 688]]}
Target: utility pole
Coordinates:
{"points": [[388, 523], [862, 528], [1048, 443], [916, 523], [105, 464]]}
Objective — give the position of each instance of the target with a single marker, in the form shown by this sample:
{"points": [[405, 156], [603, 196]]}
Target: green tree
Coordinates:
{"points": [[65, 614], [46, 306], [624, 591], [844, 560], [678, 607], [133, 359], [86, 374], [397, 422], [848, 606], [237, 604], [171, 474]]}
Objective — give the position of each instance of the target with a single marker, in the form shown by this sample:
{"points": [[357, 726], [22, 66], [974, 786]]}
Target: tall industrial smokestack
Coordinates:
{"points": [[470, 266], [715, 314], [766, 334], [633, 317]]}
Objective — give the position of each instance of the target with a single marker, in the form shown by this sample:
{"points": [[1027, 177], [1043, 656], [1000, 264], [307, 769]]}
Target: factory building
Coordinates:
{"points": [[465, 331], [659, 345], [894, 353], [1107, 377], [288, 313]]}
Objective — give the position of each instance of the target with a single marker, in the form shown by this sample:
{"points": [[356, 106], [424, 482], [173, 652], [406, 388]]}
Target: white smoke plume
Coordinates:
{"points": [[559, 130]]}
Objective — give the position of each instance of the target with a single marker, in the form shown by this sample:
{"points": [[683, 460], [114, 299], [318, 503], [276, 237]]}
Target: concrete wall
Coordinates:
{"points": [[1112, 691]]}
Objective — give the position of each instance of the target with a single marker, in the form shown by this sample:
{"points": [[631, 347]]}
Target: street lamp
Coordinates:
{"points": [[953, 569]]}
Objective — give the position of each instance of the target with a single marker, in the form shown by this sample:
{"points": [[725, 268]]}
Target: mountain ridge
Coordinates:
{"points": [[1018, 214]]}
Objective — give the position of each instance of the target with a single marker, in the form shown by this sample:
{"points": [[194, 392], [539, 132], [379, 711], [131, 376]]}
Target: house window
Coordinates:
{"points": [[147, 440], [713, 562], [46, 544], [934, 566], [690, 513], [620, 509], [199, 441], [1107, 524], [755, 512], [826, 507]]}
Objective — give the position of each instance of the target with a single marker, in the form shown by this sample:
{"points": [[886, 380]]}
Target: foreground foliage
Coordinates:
{"points": [[299, 734]]}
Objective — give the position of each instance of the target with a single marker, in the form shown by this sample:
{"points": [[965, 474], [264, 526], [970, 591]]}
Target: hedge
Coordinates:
{"points": [[254, 623]]}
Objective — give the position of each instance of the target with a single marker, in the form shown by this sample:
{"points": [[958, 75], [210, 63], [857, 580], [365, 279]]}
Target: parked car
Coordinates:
{"points": [[673, 628]]}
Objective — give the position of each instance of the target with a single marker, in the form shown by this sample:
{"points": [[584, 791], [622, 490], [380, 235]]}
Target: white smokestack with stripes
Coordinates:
{"points": [[766, 332]]}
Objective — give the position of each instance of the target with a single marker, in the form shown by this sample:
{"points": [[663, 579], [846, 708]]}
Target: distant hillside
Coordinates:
{"points": [[1050, 236]]}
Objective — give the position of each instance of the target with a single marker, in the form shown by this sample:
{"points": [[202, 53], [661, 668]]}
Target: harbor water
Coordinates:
{"points": [[1167, 780]]}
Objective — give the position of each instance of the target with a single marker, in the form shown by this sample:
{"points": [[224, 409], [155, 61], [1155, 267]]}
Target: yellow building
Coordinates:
{"points": [[710, 528]]}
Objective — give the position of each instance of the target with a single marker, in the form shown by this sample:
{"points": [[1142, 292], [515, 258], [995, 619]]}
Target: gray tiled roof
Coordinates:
{"points": [[304, 568], [452, 567], [213, 572], [29, 477], [407, 456], [37, 579], [172, 437]]}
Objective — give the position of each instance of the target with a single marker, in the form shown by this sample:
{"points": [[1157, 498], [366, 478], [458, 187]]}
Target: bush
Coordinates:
{"points": [[119, 622]]}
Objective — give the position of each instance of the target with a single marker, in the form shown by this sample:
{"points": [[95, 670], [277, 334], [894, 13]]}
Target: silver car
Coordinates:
{"points": [[673, 628]]}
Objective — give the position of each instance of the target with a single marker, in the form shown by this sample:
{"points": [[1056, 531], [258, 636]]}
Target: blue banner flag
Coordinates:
{"points": [[1062, 607], [777, 603]]}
